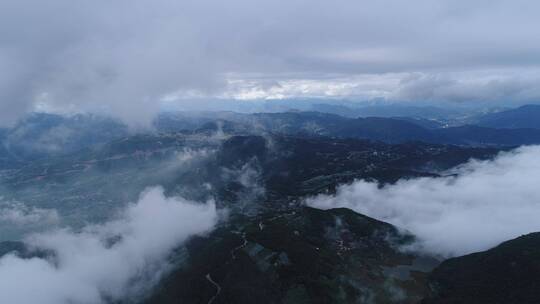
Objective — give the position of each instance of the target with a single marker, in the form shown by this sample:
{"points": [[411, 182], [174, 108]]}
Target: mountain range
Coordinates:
{"points": [[260, 168]]}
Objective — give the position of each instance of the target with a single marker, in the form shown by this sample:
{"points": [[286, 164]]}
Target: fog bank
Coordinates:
{"points": [[485, 203], [116, 260]]}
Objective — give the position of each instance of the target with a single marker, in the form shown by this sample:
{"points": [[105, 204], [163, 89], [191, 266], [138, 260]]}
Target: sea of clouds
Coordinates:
{"points": [[480, 205], [117, 260]]}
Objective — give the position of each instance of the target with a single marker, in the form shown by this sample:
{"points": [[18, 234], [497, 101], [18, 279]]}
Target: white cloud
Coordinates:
{"points": [[511, 86], [491, 86], [17, 219], [119, 259], [21, 215], [335, 86], [488, 202], [249, 177]]}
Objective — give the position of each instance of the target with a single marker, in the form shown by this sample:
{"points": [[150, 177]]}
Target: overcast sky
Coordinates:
{"points": [[125, 57]]}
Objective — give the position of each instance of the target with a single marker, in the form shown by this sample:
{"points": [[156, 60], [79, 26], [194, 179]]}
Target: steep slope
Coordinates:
{"points": [[424, 123], [425, 112], [241, 172], [301, 256], [296, 166], [480, 136], [389, 130], [271, 248], [386, 130], [392, 130], [505, 274], [41, 135], [527, 116]]}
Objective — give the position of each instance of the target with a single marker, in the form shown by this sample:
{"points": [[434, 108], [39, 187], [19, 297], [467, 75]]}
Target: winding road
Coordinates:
{"points": [[218, 288]]}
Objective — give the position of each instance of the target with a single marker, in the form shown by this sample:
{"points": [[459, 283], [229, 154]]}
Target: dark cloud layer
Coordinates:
{"points": [[123, 56]]}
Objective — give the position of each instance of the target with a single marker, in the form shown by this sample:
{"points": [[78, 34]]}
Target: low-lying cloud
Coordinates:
{"points": [[485, 203], [117, 260], [20, 214], [17, 219]]}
